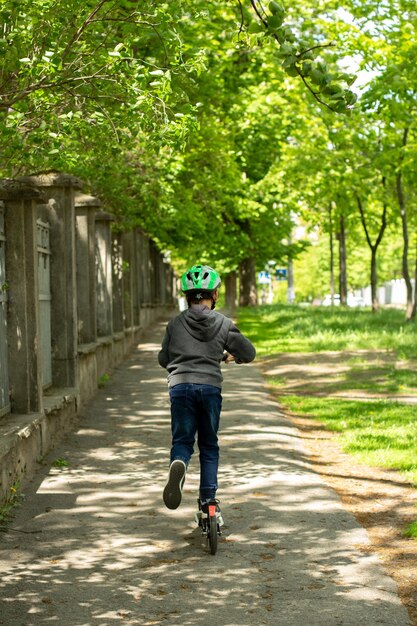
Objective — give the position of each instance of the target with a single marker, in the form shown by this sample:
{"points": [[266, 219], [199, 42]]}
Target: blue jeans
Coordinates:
{"points": [[195, 409]]}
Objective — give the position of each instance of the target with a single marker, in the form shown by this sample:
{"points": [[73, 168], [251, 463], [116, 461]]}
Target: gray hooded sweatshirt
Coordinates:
{"points": [[194, 343]]}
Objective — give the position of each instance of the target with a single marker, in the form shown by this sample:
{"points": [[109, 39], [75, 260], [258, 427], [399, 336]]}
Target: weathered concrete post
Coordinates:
{"points": [[4, 360], [170, 283], [22, 280], [118, 280], [127, 248], [164, 280], [146, 271], [140, 274], [104, 275], [143, 271], [155, 274], [85, 212], [60, 190], [138, 277]]}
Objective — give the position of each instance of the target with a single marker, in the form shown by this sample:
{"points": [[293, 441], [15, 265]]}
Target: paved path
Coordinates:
{"points": [[99, 547]]}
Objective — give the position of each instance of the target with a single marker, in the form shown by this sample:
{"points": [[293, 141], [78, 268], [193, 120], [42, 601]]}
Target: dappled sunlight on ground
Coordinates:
{"points": [[98, 547], [381, 500], [361, 374]]}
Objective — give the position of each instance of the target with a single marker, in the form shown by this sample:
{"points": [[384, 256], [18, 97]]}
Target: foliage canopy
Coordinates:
{"points": [[216, 126]]}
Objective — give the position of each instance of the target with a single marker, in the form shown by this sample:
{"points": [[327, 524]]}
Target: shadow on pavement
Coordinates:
{"points": [[99, 547]]}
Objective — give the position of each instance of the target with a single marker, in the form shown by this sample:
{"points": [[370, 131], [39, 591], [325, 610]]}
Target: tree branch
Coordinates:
{"points": [[82, 28], [42, 85], [322, 45], [241, 16], [363, 220], [314, 93], [140, 22], [298, 56], [255, 8]]}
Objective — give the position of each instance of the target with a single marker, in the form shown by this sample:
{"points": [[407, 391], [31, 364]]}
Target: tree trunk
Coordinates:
{"points": [[373, 247], [231, 290], [404, 222], [342, 262], [290, 283], [248, 295], [290, 274], [374, 280], [413, 316], [331, 253]]}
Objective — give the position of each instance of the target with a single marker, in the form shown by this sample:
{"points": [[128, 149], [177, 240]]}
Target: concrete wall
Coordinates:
{"points": [[107, 286]]}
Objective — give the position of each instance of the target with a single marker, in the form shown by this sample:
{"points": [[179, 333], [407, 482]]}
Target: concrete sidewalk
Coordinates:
{"points": [[93, 543]]}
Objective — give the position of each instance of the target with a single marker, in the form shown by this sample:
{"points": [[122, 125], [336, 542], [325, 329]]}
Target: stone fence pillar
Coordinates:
{"points": [[153, 253], [118, 281], [169, 285], [60, 191], [162, 279], [136, 278], [127, 250], [85, 215], [24, 360], [147, 272], [104, 275]]}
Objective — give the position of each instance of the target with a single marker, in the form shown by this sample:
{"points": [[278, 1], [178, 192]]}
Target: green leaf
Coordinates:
{"points": [[333, 89], [279, 35], [287, 48], [306, 68], [290, 60], [291, 70], [317, 77], [339, 106], [275, 21], [350, 97], [256, 27], [276, 8], [288, 34]]}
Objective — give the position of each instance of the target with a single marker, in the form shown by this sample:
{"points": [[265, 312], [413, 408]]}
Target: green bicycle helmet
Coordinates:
{"points": [[200, 278]]}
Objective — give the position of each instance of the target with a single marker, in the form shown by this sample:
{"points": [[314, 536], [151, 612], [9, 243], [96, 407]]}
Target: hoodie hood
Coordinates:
{"points": [[201, 323]]}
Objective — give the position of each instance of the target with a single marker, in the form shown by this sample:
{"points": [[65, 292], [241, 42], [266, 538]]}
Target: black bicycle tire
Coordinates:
{"points": [[212, 534]]}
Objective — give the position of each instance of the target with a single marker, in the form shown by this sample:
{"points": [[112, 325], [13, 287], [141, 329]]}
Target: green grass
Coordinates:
{"points": [[60, 463], [12, 500], [281, 328], [380, 433], [372, 379], [411, 530], [103, 380]]}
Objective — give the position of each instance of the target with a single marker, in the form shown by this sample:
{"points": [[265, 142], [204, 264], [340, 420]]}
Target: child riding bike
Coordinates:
{"points": [[193, 348]]}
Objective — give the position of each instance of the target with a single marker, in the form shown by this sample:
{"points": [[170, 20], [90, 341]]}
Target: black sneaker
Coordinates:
{"points": [[173, 488]]}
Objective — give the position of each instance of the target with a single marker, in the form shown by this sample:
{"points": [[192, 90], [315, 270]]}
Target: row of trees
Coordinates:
{"points": [[370, 163], [216, 125]]}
